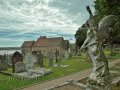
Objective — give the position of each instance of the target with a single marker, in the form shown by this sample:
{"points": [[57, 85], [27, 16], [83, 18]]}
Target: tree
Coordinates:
{"points": [[80, 36], [109, 7], [102, 9]]}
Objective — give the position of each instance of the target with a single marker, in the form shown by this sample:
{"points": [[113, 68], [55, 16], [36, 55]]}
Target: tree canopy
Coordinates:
{"points": [[109, 7], [102, 9], [80, 36]]}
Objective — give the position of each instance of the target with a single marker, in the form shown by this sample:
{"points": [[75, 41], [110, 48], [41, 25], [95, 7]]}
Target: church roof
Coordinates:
{"points": [[27, 43], [44, 41]]}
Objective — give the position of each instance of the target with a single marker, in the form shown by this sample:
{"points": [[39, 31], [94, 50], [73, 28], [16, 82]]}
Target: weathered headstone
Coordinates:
{"points": [[66, 55], [41, 71], [5, 65], [9, 61], [20, 67], [63, 54], [57, 55], [17, 57], [1, 63], [33, 73], [50, 57], [29, 60], [40, 59], [34, 53]]}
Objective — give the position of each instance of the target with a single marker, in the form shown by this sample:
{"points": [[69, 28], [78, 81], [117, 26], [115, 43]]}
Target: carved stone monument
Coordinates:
{"points": [[20, 67], [57, 55], [34, 53], [1, 63], [99, 78], [50, 57], [29, 60], [17, 57], [9, 61], [66, 55], [40, 59]]}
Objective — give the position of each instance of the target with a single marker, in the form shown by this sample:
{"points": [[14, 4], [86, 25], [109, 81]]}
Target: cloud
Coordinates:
{"points": [[23, 17], [38, 16]]}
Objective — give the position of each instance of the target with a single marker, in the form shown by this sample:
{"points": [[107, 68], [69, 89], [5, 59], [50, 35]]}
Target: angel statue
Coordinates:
{"points": [[99, 79]]}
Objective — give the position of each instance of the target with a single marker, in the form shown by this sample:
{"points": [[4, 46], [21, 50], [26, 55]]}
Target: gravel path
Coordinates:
{"points": [[55, 82]]}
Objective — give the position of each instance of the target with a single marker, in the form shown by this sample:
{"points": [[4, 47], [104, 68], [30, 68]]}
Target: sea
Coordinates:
{"points": [[2, 52]]}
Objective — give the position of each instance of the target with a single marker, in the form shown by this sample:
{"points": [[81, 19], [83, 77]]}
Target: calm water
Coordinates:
{"points": [[2, 52]]}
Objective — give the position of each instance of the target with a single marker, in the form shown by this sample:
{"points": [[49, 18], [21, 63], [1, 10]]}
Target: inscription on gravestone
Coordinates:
{"points": [[29, 60], [20, 67]]}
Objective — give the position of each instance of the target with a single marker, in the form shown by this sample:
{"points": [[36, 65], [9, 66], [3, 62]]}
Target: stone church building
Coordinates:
{"points": [[45, 44]]}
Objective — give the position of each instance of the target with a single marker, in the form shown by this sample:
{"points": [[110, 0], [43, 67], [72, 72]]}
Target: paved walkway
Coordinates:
{"points": [[58, 81]]}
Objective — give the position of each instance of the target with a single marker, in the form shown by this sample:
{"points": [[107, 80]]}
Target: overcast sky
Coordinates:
{"points": [[22, 20]]}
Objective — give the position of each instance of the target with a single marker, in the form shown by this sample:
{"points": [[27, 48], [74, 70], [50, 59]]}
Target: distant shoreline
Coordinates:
{"points": [[10, 48]]}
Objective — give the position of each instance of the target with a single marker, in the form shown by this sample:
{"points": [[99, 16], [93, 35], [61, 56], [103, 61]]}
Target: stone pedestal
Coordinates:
{"points": [[99, 79]]}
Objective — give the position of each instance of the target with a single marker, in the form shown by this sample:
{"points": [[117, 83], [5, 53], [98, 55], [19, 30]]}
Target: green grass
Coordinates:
{"points": [[77, 63], [115, 69], [116, 56], [111, 57]]}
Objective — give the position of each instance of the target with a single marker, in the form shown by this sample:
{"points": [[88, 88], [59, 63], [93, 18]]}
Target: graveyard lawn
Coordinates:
{"points": [[111, 57], [77, 63]]}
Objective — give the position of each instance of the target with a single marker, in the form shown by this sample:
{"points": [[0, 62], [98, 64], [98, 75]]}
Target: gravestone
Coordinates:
{"points": [[57, 55], [1, 63], [63, 54], [40, 59], [20, 67], [41, 71], [50, 57], [33, 73], [17, 57], [29, 60], [66, 55], [34, 53], [5, 65], [9, 61]]}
